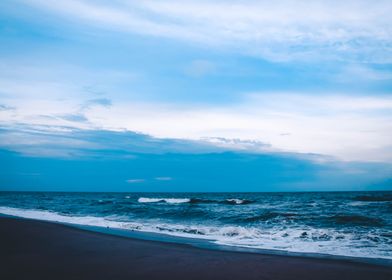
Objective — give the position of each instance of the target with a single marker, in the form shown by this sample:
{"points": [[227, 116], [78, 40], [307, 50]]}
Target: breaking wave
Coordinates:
{"points": [[309, 240], [270, 215], [231, 201], [235, 201], [351, 224], [167, 200]]}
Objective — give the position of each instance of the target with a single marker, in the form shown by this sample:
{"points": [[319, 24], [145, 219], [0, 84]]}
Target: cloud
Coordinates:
{"points": [[104, 102], [74, 117], [50, 150], [281, 30], [349, 127], [163, 178], [6, 108], [362, 74], [192, 172], [238, 144], [345, 126], [71, 142], [133, 181], [67, 117]]}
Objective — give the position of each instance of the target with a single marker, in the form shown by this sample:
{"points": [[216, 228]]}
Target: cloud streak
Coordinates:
{"points": [[347, 127], [279, 30], [71, 142], [105, 102], [134, 181], [163, 178], [218, 171], [222, 99], [343, 126], [6, 108]]}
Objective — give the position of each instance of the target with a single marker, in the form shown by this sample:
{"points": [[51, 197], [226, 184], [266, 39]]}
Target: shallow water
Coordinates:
{"points": [[357, 224]]}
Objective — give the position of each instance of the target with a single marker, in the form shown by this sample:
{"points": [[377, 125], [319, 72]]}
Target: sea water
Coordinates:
{"points": [[354, 224]]}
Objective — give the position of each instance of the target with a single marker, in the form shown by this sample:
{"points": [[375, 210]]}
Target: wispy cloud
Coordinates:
{"points": [[280, 30], [348, 127], [6, 108], [345, 126], [74, 117], [163, 178], [361, 74], [133, 181], [105, 102], [71, 142], [44, 89], [236, 171]]}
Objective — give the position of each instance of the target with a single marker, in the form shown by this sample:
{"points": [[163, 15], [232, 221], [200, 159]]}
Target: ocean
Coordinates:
{"points": [[353, 224]]}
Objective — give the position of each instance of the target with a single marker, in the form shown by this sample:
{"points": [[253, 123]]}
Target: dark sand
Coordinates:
{"points": [[41, 250]]}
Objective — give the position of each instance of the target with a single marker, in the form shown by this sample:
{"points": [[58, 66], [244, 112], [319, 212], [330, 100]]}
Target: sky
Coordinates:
{"points": [[195, 95]]}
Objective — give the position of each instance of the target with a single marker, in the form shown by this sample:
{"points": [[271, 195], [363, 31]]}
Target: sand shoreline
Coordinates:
{"points": [[33, 249]]}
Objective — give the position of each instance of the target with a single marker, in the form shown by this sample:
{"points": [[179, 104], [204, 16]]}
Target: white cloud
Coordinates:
{"points": [[351, 128], [277, 30], [343, 126], [163, 178], [133, 181], [105, 102], [348, 127], [359, 73], [53, 94]]}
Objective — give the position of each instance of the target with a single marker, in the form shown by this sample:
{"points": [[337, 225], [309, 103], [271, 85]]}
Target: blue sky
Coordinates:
{"points": [[311, 81]]}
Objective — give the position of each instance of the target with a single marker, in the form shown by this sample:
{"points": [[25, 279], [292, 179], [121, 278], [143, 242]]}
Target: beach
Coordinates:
{"points": [[33, 249]]}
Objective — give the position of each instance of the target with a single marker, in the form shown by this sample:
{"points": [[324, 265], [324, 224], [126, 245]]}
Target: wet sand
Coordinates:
{"points": [[41, 250]]}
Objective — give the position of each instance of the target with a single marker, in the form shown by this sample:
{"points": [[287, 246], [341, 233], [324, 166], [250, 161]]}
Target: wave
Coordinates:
{"points": [[202, 201], [57, 217], [231, 201], [269, 216], [235, 201], [167, 200], [357, 220], [103, 202], [303, 240], [371, 198]]}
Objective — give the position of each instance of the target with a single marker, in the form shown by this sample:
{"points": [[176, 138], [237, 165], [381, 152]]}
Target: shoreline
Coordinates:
{"points": [[33, 249], [208, 244]]}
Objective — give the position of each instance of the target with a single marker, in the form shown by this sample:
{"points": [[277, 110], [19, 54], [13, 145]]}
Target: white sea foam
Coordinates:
{"points": [[303, 240], [359, 203], [188, 200], [167, 200], [56, 217], [236, 201], [148, 200]]}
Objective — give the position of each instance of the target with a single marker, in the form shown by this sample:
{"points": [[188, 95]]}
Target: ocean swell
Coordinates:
{"points": [[374, 198], [357, 220]]}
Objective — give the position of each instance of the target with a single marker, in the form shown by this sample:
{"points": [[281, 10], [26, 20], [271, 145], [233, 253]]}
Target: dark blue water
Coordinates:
{"points": [[357, 224]]}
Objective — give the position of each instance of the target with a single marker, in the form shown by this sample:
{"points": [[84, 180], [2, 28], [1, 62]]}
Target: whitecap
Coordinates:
{"points": [[325, 241], [167, 200], [237, 201]]}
